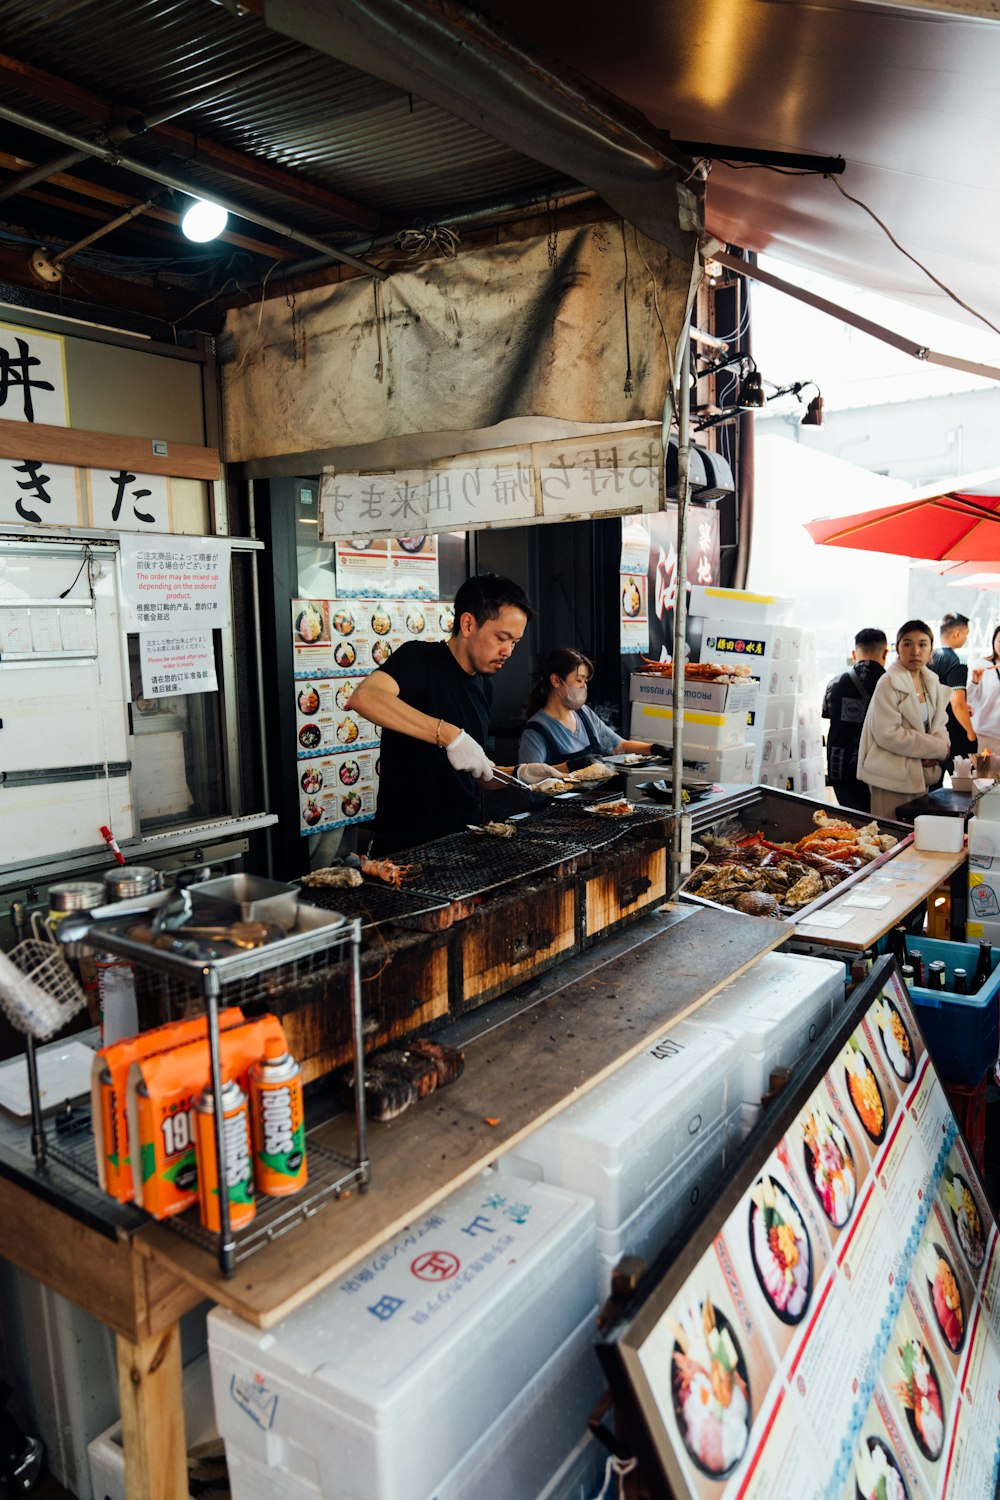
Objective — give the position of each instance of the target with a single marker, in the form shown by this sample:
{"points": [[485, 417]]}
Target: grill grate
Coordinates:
{"points": [[469, 864], [373, 902]]}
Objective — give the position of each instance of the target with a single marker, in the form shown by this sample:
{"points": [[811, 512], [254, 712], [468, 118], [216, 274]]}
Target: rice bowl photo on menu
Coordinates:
{"points": [[310, 625], [917, 1389], [780, 1250], [351, 805], [311, 813], [311, 781], [344, 654], [864, 1092], [962, 1204], [349, 772], [897, 1043], [310, 736], [381, 651], [944, 1294], [711, 1393], [308, 701], [877, 1472], [829, 1164]]}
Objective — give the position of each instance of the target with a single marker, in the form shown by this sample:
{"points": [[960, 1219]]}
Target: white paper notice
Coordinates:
{"points": [[78, 631], [45, 630], [15, 631], [866, 899], [176, 582], [175, 664], [830, 919]]}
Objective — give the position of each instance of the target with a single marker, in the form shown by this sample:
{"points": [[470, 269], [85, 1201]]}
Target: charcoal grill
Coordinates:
{"points": [[462, 865], [373, 902], [571, 819]]}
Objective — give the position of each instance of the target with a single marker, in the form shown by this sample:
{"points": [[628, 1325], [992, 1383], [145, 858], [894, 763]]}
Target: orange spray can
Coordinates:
{"points": [[239, 1167], [277, 1122]]}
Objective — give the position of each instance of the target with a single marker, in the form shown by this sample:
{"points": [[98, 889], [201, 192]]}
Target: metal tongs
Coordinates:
{"points": [[506, 779]]}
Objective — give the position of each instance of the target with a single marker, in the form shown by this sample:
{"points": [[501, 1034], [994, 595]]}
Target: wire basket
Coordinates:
{"points": [[38, 990]]}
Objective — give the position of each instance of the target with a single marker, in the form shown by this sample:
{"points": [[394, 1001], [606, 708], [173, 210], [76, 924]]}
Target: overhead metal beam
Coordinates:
{"points": [[455, 58], [167, 179]]}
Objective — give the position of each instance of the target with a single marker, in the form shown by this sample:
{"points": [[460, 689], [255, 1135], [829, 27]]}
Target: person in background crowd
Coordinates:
{"points": [[952, 672], [561, 732], [904, 738], [984, 697], [845, 703]]}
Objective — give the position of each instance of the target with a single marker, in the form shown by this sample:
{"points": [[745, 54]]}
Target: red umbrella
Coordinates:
{"points": [[957, 525]]}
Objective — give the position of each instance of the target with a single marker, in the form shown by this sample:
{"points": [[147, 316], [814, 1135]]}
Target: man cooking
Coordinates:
{"points": [[432, 699]]}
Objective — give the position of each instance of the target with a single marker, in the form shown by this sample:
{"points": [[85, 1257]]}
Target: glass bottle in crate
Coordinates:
{"points": [[984, 968], [960, 982]]}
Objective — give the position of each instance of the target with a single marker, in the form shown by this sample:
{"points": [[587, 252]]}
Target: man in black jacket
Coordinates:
{"points": [[845, 704], [953, 672]]}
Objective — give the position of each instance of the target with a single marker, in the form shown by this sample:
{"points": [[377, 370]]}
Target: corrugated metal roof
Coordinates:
{"points": [[326, 125]]}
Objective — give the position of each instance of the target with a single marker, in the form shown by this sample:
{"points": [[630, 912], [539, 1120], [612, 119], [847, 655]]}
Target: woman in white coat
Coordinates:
{"points": [[984, 697], [904, 737]]}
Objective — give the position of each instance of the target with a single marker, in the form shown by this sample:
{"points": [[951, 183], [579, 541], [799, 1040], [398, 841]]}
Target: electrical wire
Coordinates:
{"points": [[903, 251], [260, 318], [656, 305]]}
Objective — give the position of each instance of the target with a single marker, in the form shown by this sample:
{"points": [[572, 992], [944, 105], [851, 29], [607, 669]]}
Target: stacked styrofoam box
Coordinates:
{"points": [[776, 1009], [646, 1144], [745, 630], [107, 1456], [715, 717], [454, 1362], [983, 914]]}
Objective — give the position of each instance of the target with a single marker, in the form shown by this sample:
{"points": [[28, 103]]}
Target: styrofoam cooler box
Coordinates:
{"points": [[714, 731], [774, 679], [774, 744], [379, 1386], [737, 604], [778, 645], [808, 710], [703, 697], [983, 931], [735, 763], [671, 1207], [776, 1009], [984, 895], [794, 775], [621, 1142], [810, 743], [777, 712], [984, 844], [107, 1456], [580, 1475], [546, 1421]]}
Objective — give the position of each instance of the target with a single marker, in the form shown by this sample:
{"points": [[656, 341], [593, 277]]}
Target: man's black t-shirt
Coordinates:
{"points": [[420, 795], [846, 707], [954, 674]]}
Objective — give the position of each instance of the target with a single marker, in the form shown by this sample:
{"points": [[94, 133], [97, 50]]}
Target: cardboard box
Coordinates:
{"points": [[652, 721], [737, 604], [703, 697], [747, 641]]}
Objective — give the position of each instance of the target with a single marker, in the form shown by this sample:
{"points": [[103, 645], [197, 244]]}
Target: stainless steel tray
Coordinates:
{"points": [[783, 817]]}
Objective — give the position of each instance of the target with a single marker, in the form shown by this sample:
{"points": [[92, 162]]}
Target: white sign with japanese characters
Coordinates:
{"points": [[175, 583], [175, 664], [39, 493], [123, 501], [32, 377], [619, 472]]}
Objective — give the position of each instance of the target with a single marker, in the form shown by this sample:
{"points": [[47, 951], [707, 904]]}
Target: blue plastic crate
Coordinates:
{"points": [[960, 1030]]}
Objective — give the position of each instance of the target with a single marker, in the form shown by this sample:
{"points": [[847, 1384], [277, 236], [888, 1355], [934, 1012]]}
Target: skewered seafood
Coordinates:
{"points": [[494, 829], [388, 870], [333, 876]]}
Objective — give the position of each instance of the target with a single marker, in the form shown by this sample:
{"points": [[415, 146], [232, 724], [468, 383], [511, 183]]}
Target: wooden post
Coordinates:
{"points": [[150, 1387]]}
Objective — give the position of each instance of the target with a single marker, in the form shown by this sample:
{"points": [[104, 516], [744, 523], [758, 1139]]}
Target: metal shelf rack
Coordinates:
{"points": [[239, 979]]}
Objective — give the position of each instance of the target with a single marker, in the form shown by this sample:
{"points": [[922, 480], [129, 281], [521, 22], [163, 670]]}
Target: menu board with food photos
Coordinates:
{"points": [[833, 1326], [336, 643]]}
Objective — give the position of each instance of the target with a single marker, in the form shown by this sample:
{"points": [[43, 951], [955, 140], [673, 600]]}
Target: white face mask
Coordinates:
{"points": [[573, 697]]}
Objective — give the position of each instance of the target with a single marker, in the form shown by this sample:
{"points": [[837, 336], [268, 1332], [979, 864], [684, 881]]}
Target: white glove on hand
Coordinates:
{"points": [[534, 771], [466, 755]]}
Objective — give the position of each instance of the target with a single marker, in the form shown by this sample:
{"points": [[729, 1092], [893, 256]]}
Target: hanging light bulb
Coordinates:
{"points": [[751, 391], [203, 221]]}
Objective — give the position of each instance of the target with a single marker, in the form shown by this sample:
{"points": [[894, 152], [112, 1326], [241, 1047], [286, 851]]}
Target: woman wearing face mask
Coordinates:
{"points": [[904, 738], [561, 732]]}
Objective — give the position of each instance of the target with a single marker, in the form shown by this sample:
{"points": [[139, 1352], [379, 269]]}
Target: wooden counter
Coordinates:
{"points": [[612, 1003], [867, 911]]}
